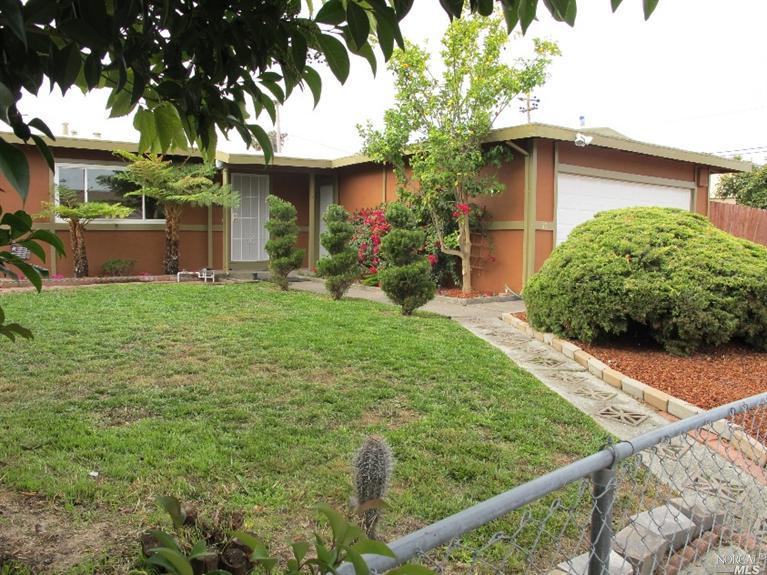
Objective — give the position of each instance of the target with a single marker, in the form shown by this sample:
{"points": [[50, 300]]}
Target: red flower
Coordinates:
{"points": [[432, 259], [461, 210]]}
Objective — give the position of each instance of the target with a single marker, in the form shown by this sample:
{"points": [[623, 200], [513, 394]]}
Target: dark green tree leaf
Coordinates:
{"points": [[15, 168], [336, 56], [313, 80], [359, 25], [14, 16]]}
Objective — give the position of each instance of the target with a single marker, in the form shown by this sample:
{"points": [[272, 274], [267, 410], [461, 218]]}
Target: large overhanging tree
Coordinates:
{"points": [[188, 68], [435, 136]]}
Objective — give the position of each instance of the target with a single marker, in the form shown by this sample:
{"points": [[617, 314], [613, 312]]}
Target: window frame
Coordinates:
{"points": [[99, 166]]}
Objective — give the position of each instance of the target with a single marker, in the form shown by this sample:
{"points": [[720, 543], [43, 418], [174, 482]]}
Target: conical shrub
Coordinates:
{"points": [[284, 256], [406, 277], [340, 267]]}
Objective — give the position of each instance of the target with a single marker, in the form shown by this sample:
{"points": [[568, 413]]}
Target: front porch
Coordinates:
{"points": [[310, 187]]}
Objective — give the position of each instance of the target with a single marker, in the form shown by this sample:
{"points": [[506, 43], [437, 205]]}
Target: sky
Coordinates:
{"points": [[689, 77]]}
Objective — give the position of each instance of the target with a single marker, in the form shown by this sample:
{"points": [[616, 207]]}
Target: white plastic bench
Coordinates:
{"points": [[204, 274]]}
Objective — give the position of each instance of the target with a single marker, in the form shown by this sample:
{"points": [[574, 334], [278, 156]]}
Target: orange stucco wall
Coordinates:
{"points": [[502, 265], [498, 260], [620, 161]]}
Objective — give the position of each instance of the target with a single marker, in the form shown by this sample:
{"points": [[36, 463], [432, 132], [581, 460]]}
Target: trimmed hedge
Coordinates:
{"points": [[667, 272]]}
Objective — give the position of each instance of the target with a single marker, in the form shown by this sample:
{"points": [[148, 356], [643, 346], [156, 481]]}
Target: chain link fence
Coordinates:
{"points": [[688, 498]]}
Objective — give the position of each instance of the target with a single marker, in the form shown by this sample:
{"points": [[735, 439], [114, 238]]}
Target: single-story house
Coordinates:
{"points": [[553, 183]]}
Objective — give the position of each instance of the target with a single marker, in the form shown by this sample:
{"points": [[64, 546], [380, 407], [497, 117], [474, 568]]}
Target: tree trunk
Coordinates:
{"points": [[172, 221], [77, 241], [464, 241]]}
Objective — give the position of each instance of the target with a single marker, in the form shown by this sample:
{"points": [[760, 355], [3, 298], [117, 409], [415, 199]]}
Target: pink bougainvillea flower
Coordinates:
{"points": [[462, 209]]}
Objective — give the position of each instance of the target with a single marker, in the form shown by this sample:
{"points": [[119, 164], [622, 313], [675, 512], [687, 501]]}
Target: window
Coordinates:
{"points": [[91, 183]]}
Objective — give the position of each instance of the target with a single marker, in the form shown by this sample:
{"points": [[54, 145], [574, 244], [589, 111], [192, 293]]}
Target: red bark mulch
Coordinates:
{"points": [[457, 292], [708, 378]]}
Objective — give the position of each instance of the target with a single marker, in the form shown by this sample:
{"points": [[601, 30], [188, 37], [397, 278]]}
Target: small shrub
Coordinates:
{"points": [[117, 267], [666, 272], [340, 267], [406, 278], [284, 256]]}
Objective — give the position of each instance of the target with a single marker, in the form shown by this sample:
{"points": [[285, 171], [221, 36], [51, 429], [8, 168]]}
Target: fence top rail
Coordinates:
{"points": [[449, 528]]}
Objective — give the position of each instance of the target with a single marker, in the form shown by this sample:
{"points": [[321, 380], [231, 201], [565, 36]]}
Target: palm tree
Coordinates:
{"points": [[78, 215], [174, 187]]}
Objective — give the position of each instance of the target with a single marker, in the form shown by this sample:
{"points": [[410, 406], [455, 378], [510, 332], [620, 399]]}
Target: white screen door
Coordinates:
{"points": [[326, 198], [249, 233]]}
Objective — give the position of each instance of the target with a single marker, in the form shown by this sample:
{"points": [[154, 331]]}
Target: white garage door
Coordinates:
{"points": [[580, 197]]}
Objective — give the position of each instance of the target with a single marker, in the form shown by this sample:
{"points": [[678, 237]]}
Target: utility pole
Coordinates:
{"points": [[278, 136], [530, 105]]}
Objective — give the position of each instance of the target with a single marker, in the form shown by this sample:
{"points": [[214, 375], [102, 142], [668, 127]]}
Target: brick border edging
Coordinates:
{"points": [[653, 397]]}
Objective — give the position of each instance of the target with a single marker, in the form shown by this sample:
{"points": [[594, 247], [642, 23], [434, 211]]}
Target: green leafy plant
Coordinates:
{"points": [[117, 267], [746, 188], [340, 267], [406, 279], [184, 87], [243, 553], [666, 273], [78, 215], [174, 187], [284, 256], [16, 229], [435, 136]]}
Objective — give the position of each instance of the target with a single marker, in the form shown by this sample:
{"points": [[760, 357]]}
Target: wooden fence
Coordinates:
{"points": [[741, 221]]}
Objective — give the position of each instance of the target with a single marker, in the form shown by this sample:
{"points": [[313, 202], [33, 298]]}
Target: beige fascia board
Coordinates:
{"points": [[503, 225], [568, 135], [281, 161], [352, 160]]}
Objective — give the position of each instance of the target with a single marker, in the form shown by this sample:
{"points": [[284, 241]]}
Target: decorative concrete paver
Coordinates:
{"points": [[595, 394]]}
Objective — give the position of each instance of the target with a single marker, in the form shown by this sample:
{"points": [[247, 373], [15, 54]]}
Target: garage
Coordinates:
{"points": [[579, 197]]}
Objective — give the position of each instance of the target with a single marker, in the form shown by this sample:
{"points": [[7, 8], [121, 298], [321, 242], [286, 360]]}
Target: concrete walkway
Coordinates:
{"points": [[691, 469]]}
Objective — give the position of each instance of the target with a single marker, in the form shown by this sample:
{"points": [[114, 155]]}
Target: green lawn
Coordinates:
{"points": [[243, 397]]}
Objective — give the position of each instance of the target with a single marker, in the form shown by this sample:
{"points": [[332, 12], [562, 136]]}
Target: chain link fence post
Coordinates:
{"points": [[601, 520]]}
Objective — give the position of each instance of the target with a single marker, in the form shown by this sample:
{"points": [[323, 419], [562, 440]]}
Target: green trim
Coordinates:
{"points": [[52, 223], [545, 226], [625, 177], [556, 192], [313, 223], [225, 225], [506, 225], [137, 227], [531, 192], [209, 227]]}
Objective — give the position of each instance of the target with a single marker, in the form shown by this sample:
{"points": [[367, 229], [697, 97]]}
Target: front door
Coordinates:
{"points": [[326, 198], [249, 233]]}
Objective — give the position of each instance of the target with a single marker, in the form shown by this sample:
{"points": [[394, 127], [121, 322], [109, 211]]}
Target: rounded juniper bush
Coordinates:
{"points": [[340, 267], [406, 278], [284, 256], [666, 273]]}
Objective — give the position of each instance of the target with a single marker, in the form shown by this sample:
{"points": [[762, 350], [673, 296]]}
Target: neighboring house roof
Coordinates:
{"points": [[603, 137]]}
